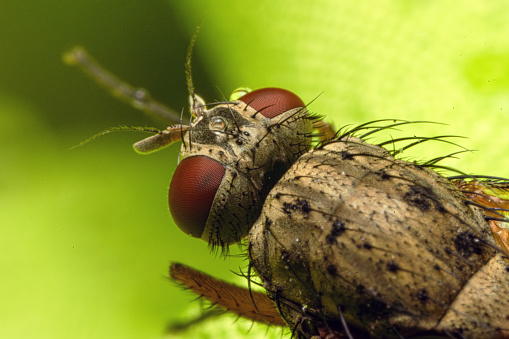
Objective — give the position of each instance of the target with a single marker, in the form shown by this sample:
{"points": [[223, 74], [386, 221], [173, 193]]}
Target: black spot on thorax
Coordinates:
{"points": [[421, 197], [345, 155], [466, 243], [300, 205], [392, 266], [422, 295], [337, 229], [332, 270]]}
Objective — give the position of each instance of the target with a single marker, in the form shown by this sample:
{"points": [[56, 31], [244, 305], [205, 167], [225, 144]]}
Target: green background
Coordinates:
{"points": [[86, 236]]}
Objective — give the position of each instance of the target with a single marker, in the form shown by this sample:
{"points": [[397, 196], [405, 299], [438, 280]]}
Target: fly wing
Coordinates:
{"points": [[491, 194]]}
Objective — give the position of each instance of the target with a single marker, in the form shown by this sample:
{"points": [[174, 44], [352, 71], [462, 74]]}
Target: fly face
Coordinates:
{"points": [[230, 158]]}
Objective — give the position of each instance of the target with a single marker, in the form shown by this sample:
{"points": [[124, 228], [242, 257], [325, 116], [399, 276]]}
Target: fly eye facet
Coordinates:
{"points": [[272, 101], [192, 191], [217, 125]]}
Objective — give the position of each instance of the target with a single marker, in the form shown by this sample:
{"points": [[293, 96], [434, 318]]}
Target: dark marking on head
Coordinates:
{"points": [[367, 246]]}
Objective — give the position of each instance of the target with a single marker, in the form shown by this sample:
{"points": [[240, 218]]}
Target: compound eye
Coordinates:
{"points": [[271, 101], [192, 191]]}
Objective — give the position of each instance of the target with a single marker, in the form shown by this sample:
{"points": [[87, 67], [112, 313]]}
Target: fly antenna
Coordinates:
{"points": [[196, 102]]}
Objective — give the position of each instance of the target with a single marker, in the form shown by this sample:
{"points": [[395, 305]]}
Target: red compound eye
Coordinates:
{"points": [[272, 101], [192, 192]]}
